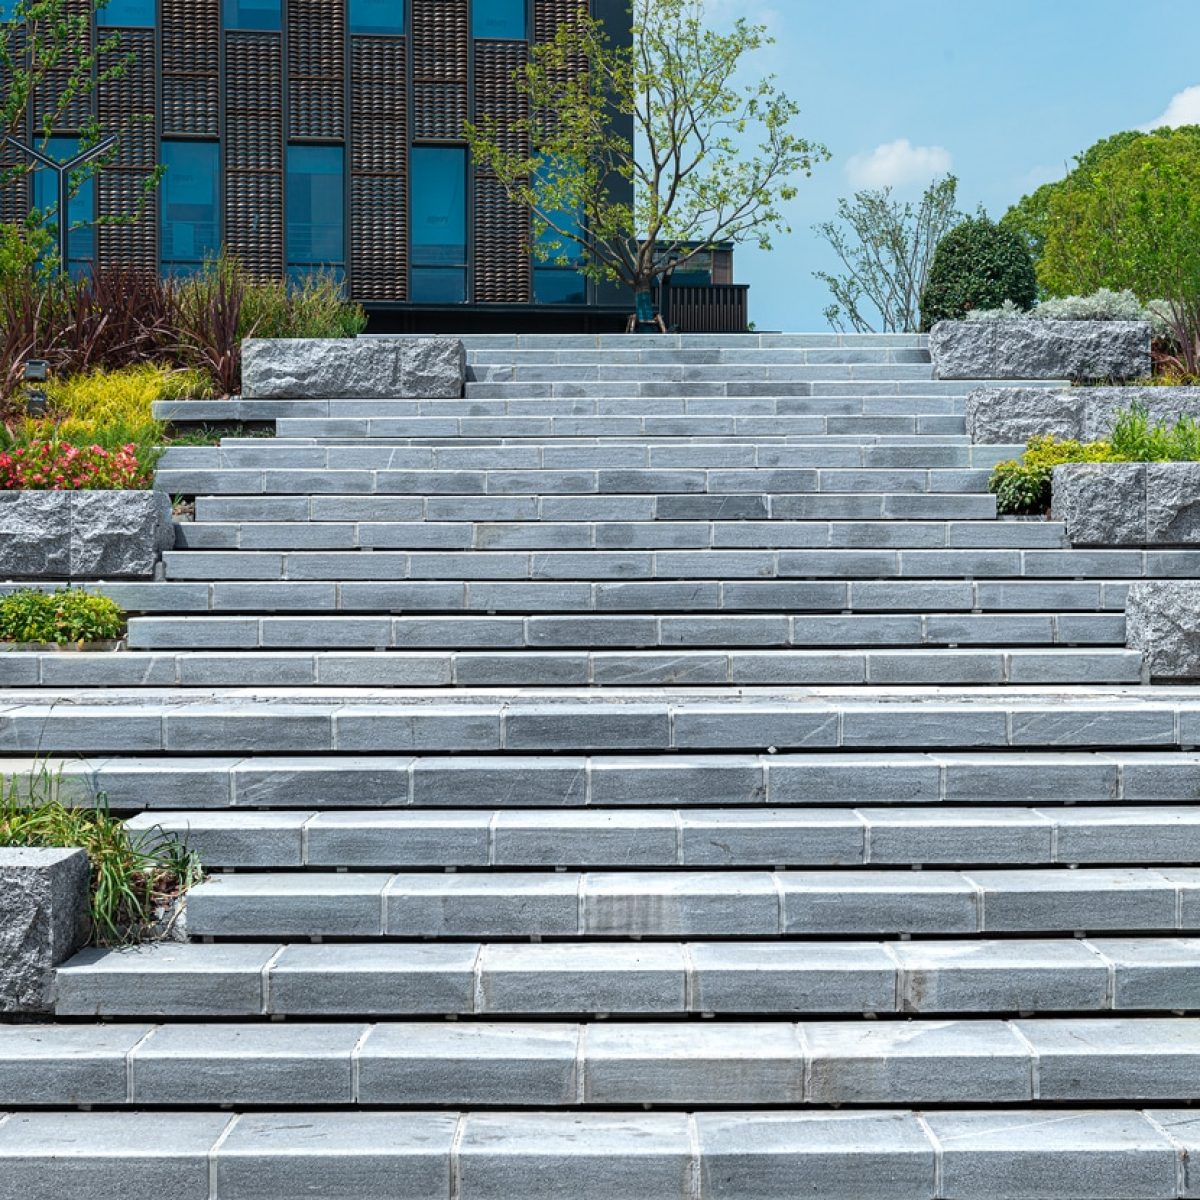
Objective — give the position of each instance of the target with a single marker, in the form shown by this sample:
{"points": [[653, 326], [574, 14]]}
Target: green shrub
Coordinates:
{"points": [[1024, 486], [1135, 439], [133, 877], [313, 307], [63, 617], [979, 265]]}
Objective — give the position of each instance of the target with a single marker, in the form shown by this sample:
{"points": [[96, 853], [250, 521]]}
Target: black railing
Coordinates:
{"points": [[705, 308]]}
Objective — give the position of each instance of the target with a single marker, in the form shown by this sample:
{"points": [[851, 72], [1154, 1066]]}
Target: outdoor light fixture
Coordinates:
{"points": [[37, 370]]}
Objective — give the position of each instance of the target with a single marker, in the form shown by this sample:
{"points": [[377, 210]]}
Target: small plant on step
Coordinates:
{"points": [[65, 617]]}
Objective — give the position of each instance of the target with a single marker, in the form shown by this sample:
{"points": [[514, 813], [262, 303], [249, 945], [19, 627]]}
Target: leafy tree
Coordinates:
{"points": [[886, 248], [978, 264], [572, 162], [49, 63], [1134, 222]]}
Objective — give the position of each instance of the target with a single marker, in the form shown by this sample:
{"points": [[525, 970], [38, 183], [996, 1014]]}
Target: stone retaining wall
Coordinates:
{"points": [[1040, 349], [1129, 504], [401, 368], [83, 535]]}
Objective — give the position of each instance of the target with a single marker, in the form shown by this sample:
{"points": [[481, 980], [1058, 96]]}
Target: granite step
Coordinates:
{"points": [[684, 837], [266, 780], [658, 978], [558, 668], [689, 355], [1020, 1154], [872, 565], [581, 633], [617, 535], [694, 903], [827, 381], [756, 368], [545, 1066], [691, 341]]}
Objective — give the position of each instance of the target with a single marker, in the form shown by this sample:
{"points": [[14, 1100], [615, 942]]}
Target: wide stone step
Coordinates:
{"points": [[637, 374], [581, 632], [753, 506], [294, 454], [666, 481], [867, 1155], [238, 979], [617, 535], [722, 564], [694, 903], [695, 598], [626, 342], [688, 355], [541, 1065], [686, 837], [515, 720], [827, 381], [556, 668]]}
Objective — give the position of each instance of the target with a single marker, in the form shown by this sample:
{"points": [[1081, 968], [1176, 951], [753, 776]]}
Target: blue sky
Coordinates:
{"points": [[1004, 91]]}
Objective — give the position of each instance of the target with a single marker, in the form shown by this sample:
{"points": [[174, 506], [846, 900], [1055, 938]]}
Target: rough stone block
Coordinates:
{"points": [[353, 368], [43, 920], [1162, 620], [1102, 404], [35, 535], [1013, 415], [1040, 349], [1173, 504], [1101, 504]]}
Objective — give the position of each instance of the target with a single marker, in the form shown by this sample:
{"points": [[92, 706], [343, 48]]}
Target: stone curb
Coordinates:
{"points": [[1129, 504]]}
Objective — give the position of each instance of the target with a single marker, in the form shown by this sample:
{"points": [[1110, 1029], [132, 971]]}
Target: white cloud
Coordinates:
{"points": [[897, 163], [1183, 109]]}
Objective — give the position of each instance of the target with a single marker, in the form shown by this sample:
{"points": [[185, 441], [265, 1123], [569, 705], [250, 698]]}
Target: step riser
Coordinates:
{"points": [[640, 374], [778, 356]]}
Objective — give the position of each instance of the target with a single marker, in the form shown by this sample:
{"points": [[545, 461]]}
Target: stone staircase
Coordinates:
{"points": [[658, 773]]}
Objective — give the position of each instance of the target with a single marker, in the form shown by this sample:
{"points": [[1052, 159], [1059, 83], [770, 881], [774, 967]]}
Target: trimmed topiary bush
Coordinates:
{"points": [[978, 265]]}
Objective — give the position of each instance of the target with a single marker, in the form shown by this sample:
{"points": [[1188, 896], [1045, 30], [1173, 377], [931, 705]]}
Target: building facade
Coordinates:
{"points": [[306, 134]]}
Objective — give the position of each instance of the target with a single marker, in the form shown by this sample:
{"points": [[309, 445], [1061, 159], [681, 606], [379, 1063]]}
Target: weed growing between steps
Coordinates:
{"points": [[1025, 486], [135, 879], [66, 617]]}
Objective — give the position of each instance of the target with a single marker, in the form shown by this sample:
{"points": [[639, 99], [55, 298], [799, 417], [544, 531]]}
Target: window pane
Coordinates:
{"points": [[127, 12], [556, 286], [439, 205], [439, 285], [82, 207], [315, 206], [558, 250], [191, 226], [498, 19], [376, 16], [252, 14]]}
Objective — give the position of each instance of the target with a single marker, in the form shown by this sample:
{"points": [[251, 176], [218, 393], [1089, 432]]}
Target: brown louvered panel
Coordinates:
{"points": [[316, 68], [253, 102], [496, 93], [191, 66], [78, 111], [502, 268], [439, 110], [254, 221], [379, 109], [549, 15], [14, 196], [119, 192], [125, 105], [379, 237]]}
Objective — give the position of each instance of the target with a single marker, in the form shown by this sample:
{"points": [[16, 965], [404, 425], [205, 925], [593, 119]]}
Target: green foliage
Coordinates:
{"points": [[133, 877], [980, 265], [64, 617], [1133, 221], [1135, 439], [885, 248], [715, 158], [314, 307], [1101, 305]]}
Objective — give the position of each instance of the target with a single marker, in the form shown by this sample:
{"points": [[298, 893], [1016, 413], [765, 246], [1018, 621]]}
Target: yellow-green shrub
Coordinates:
{"points": [[1025, 486]]}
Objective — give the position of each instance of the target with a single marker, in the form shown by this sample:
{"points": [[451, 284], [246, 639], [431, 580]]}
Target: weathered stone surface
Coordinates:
{"points": [[119, 534], [352, 368], [35, 535], [1173, 504], [1162, 620], [1010, 415], [1040, 349], [83, 535], [1101, 504], [43, 914], [1101, 405]]}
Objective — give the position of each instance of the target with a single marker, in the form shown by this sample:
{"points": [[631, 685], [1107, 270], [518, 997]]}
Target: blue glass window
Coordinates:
{"points": [[252, 14], [498, 19], [556, 285], [81, 247], [439, 224], [316, 208], [190, 204], [376, 16], [127, 12]]}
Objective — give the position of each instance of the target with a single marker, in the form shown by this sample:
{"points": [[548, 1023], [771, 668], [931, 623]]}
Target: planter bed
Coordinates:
{"points": [[1129, 504], [83, 535], [1035, 349]]}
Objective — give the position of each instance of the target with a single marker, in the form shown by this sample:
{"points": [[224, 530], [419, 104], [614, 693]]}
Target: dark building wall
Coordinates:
{"points": [[321, 142]]}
